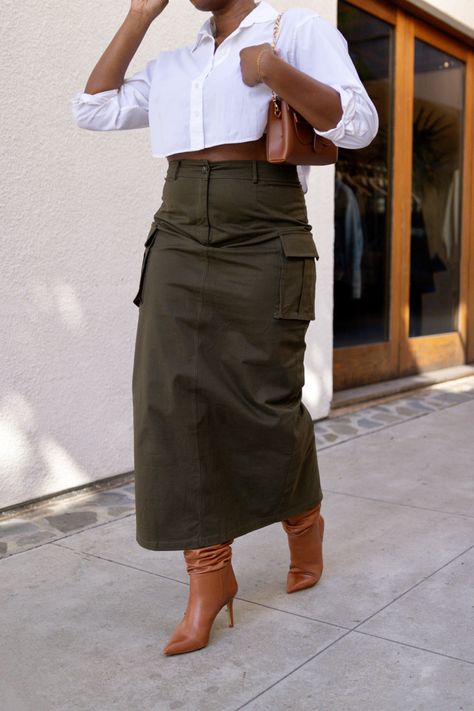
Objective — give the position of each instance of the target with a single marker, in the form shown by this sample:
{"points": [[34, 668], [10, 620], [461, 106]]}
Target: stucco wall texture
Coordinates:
{"points": [[76, 208]]}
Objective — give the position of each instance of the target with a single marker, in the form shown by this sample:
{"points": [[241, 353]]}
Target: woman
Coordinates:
{"points": [[223, 444]]}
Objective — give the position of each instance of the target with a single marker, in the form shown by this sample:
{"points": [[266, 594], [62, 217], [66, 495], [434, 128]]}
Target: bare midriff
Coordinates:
{"points": [[250, 150]]}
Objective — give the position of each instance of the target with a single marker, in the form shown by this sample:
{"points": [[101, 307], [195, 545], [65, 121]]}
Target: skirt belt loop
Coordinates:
{"points": [[174, 167]]}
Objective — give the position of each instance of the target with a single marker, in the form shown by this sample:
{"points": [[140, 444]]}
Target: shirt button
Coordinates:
{"points": [[204, 169]]}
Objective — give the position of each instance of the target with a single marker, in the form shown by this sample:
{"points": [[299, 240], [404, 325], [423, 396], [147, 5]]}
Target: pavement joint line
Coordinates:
{"points": [[415, 646], [84, 554], [385, 639], [338, 639], [412, 587], [389, 425], [289, 612], [285, 676], [183, 582], [357, 631], [397, 503], [295, 614]]}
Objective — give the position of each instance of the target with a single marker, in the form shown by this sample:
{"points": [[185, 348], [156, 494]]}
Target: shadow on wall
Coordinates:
{"points": [[66, 416], [25, 451]]}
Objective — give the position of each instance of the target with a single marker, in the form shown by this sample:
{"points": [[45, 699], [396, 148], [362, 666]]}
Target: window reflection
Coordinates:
{"points": [[436, 191]]}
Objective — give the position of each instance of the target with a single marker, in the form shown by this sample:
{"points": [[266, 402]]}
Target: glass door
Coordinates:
{"points": [[435, 247], [362, 195], [435, 334], [402, 236]]}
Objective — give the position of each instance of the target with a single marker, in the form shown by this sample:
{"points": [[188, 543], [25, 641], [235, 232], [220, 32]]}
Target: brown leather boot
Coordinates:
{"points": [[212, 584], [305, 538]]}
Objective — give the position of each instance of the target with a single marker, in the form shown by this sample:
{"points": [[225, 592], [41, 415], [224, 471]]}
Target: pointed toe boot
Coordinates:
{"points": [[212, 584], [305, 541]]}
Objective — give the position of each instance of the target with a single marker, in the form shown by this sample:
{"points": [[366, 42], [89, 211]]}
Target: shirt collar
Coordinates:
{"points": [[263, 12]]}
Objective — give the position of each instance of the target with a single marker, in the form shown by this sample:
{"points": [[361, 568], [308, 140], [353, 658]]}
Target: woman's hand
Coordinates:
{"points": [[248, 61], [148, 9]]}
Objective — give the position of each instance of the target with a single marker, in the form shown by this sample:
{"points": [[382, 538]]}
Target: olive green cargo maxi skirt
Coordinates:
{"points": [[223, 444]]}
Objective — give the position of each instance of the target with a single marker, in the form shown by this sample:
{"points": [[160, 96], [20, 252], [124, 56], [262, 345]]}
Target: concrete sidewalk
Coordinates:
{"points": [[390, 626]]}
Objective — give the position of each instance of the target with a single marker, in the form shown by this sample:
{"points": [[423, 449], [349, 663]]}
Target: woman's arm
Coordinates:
{"points": [[318, 103], [110, 70], [110, 101], [319, 80]]}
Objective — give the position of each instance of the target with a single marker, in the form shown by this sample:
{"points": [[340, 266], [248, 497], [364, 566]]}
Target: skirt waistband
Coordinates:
{"points": [[254, 170]]}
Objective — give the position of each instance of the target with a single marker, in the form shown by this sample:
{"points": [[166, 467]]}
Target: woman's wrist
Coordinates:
{"points": [[138, 20], [265, 63]]}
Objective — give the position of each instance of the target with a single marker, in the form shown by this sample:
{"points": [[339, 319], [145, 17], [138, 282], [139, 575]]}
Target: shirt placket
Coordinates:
{"points": [[196, 121]]}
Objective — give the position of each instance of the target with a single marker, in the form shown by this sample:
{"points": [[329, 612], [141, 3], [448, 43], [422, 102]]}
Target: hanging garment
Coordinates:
{"points": [[349, 239]]}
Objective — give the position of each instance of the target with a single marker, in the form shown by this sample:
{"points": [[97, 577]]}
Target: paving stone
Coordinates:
{"points": [[114, 511], [72, 521], [14, 527], [365, 422], [418, 405], [35, 538], [341, 428], [387, 418], [407, 411], [331, 437]]}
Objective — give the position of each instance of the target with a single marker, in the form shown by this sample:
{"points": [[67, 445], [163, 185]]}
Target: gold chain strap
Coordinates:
{"points": [[276, 108]]}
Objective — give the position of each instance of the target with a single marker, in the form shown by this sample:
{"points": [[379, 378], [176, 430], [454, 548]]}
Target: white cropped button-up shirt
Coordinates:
{"points": [[192, 97]]}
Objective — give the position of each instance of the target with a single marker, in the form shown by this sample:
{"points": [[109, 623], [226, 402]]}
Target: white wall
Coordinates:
{"points": [[458, 13], [76, 206]]}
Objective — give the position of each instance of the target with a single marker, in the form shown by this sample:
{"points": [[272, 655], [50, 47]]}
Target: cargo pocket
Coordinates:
{"points": [[148, 245], [297, 287]]}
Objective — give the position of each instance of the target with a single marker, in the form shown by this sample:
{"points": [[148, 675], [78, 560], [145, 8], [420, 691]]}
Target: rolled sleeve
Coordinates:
{"points": [[116, 109], [321, 51]]}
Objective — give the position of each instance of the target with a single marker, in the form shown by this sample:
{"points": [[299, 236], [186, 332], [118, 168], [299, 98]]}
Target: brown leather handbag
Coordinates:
{"points": [[290, 138]]}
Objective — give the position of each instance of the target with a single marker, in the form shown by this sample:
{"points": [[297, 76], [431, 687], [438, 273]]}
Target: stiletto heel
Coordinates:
{"points": [[230, 612]]}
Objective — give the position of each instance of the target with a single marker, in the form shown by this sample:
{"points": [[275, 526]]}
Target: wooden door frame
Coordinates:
{"points": [[401, 355], [373, 362], [430, 352], [468, 212]]}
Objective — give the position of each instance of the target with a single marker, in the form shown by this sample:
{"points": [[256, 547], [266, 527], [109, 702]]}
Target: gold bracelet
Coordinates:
{"points": [[265, 49]]}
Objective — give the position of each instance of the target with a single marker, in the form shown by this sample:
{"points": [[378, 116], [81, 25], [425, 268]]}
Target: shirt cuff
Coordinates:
{"points": [[83, 97], [348, 103]]}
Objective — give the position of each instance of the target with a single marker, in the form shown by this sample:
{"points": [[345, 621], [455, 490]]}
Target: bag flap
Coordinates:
{"points": [[298, 244]]}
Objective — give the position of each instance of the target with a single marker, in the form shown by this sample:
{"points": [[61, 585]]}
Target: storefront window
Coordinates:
{"points": [[362, 194], [436, 191]]}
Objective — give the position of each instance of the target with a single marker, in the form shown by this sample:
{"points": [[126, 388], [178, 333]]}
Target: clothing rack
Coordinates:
{"points": [[368, 179]]}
